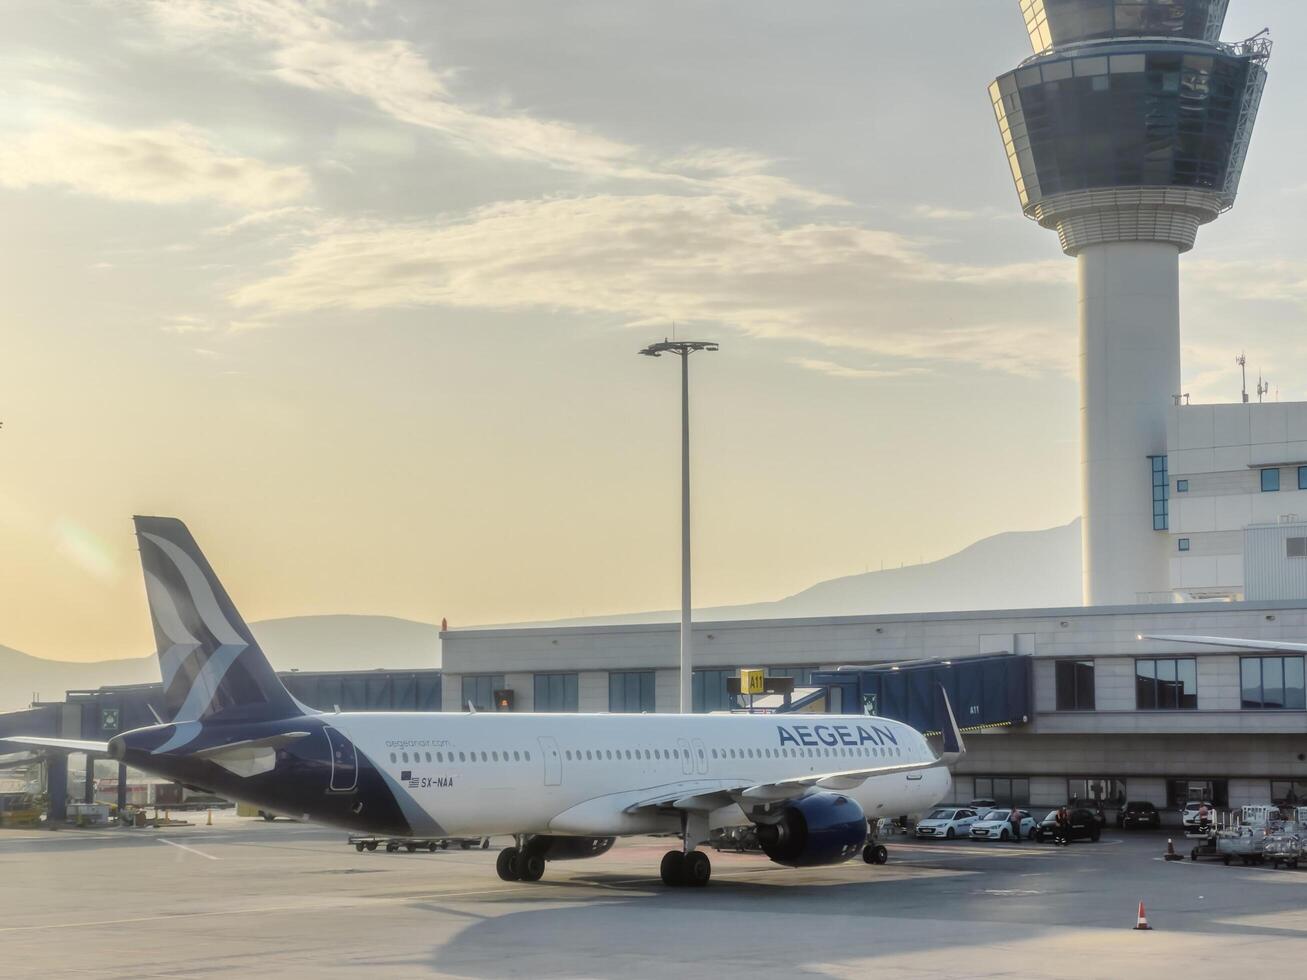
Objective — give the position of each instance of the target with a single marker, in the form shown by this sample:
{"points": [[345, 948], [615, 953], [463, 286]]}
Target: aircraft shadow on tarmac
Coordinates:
{"points": [[766, 925]]}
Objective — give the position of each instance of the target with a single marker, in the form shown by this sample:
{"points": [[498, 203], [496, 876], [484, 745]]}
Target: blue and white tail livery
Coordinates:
{"points": [[804, 787]]}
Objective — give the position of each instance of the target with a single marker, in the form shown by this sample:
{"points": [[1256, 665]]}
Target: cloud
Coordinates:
{"points": [[835, 370], [170, 165], [303, 46], [290, 214], [692, 259]]}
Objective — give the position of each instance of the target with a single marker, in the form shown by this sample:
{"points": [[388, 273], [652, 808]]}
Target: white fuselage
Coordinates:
{"points": [[593, 774]]}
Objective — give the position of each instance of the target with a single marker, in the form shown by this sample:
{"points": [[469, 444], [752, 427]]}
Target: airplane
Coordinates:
{"points": [[564, 786]]}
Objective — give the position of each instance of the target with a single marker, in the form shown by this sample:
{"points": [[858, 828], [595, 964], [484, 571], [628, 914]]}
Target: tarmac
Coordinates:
{"points": [[248, 898]]}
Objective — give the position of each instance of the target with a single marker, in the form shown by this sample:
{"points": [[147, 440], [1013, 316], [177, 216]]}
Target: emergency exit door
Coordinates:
{"points": [[553, 761]]}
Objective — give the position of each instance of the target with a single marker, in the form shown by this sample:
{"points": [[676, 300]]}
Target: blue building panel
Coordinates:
{"points": [[985, 692]]}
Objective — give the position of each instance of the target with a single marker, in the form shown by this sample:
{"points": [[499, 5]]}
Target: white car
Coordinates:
{"points": [[997, 825], [947, 822], [1189, 816]]}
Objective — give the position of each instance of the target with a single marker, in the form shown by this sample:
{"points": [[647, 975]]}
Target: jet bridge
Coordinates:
{"points": [[992, 691]]}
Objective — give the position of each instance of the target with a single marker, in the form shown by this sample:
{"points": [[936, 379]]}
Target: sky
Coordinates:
{"points": [[356, 289]]}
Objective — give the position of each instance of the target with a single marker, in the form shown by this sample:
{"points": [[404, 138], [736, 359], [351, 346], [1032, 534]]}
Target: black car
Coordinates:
{"points": [[1094, 807], [1084, 825], [1138, 814]]}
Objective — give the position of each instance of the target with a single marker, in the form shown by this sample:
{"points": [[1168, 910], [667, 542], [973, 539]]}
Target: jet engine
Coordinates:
{"points": [[824, 828], [553, 848]]}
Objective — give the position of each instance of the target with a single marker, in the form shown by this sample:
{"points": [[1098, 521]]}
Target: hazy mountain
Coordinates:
{"points": [[22, 677], [1013, 570], [348, 642], [300, 642], [1019, 569]]}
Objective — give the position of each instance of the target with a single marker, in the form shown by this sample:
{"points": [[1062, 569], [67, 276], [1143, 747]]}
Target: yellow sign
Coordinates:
{"points": [[752, 681]]}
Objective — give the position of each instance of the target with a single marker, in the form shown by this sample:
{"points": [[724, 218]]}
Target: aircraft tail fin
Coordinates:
{"points": [[210, 662]]}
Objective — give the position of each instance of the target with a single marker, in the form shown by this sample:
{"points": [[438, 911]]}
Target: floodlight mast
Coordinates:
{"points": [[683, 349]]}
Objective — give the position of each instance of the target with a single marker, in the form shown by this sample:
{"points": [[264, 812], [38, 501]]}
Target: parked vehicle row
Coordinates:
{"points": [[982, 820]]}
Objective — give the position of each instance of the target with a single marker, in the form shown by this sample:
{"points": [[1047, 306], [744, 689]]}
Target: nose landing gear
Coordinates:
{"points": [[875, 854]]}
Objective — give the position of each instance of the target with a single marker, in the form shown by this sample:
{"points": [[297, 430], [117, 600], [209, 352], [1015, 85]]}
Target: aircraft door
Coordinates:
{"points": [[344, 762], [687, 765], [700, 757], [553, 761]]}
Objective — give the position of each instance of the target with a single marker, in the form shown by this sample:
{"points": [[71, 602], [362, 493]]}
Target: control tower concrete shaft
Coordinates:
{"points": [[1125, 131]]}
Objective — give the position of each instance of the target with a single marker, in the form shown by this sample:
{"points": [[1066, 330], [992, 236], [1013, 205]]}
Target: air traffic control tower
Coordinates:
{"points": [[1125, 131]]}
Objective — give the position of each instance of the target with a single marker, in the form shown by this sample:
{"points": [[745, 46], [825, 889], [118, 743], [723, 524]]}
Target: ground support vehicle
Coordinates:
{"points": [[1244, 843], [412, 844], [1205, 846], [1285, 846], [741, 840]]}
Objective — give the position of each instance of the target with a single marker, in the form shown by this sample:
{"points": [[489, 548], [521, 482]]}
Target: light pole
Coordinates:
{"points": [[683, 349]]}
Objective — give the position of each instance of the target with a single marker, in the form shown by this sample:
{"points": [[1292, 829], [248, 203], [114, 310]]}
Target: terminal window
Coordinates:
{"points": [[1161, 493], [1272, 683], [1270, 480], [1295, 547], [1289, 792], [1183, 544], [1106, 791], [1004, 790], [1181, 486], [1182, 791], [555, 692], [479, 689], [1075, 685], [708, 690], [631, 691], [1302, 477], [1166, 684]]}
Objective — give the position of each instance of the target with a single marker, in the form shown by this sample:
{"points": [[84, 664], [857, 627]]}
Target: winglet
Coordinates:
{"points": [[954, 747]]}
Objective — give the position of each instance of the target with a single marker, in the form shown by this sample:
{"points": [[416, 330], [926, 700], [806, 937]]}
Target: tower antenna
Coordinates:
{"points": [[1243, 372]]}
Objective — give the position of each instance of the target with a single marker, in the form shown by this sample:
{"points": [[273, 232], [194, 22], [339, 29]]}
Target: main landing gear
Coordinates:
{"points": [[686, 868], [520, 864]]}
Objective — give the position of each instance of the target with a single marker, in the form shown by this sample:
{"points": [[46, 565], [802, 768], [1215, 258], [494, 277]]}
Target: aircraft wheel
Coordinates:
{"points": [[530, 867], [673, 869], [371, 845], [875, 854], [698, 869], [506, 864]]}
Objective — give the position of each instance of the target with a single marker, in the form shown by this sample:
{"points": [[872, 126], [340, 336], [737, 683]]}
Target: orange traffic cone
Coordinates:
{"points": [[1141, 922]]}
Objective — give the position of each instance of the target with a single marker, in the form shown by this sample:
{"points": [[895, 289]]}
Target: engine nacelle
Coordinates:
{"points": [[553, 848], [824, 828]]}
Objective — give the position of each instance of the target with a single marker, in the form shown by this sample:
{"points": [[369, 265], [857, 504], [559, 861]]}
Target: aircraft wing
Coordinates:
{"points": [[1228, 641], [718, 793], [57, 744], [842, 780]]}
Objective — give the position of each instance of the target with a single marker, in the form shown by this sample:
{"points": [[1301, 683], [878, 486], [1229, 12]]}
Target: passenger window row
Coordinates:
{"points": [[599, 755], [492, 756], [884, 751]]}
